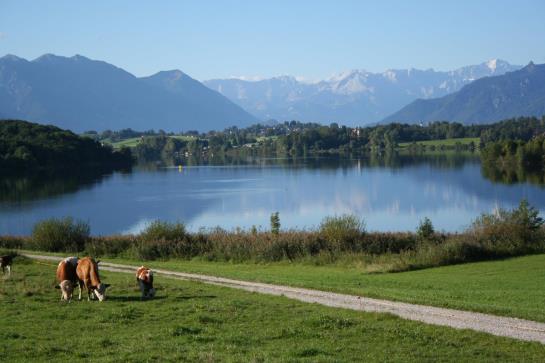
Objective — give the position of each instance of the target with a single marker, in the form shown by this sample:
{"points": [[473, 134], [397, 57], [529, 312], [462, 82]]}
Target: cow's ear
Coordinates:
{"points": [[107, 285], [57, 287], [98, 261]]}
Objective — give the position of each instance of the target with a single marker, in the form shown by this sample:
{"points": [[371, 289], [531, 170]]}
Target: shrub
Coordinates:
{"points": [[342, 232], [111, 246], [14, 242], [275, 223], [425, 229], [56, 235], [510, 232], [158, 230], [388, 242]]}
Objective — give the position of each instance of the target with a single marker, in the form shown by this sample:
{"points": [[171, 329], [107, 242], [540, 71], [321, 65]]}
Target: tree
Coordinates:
{"points": [[275, 223], [425, 229]]}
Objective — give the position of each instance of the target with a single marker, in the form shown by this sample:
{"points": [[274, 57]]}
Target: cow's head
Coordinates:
{"points": [[100, 291], [67, 289]]}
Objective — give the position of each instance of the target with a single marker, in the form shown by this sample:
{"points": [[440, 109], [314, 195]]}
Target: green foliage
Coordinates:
{"points": [[425, 229], [342, 232], [515, 161], [26, 146], [275, 223], [65, 234], [510, 232], [497, 235], [158, 230]]}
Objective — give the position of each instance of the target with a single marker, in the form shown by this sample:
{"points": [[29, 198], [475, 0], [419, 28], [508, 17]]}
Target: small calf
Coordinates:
{"points": [[144, 277], [6, 262]]}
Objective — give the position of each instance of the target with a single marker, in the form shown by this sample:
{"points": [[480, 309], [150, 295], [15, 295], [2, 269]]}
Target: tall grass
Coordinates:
{"points": [[341, 239]]}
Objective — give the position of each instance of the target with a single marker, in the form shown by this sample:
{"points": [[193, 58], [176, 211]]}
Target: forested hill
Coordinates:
{"points": [[26, 146]]}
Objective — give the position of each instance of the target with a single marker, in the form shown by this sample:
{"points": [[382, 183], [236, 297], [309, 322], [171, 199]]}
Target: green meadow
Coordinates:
{"points": [[444, 142], [190, 322], [510, 287]]}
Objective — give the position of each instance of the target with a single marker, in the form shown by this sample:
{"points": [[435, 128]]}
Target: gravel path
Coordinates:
{"points": [[497, 325]]}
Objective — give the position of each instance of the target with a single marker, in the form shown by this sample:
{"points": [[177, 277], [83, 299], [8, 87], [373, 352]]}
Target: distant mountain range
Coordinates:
{"points": [[357, 97], [490, 99], [80, 94]]}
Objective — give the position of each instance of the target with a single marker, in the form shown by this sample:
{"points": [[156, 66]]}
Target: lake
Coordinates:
{"points": [[390, 194]]}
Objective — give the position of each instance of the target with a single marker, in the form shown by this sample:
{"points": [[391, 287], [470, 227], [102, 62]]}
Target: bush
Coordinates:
{"points": [[14, 242], [158, 230], [56, 235], [343, 232], [109, 246], [425, 229], [510, 232]]}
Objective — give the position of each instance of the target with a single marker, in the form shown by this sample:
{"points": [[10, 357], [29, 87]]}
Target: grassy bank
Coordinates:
{"points": [[193, 322], [338, 240], [449, 143]]}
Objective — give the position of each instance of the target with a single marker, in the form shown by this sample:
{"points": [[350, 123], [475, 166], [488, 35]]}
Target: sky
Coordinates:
{"points": [[310, 39]]}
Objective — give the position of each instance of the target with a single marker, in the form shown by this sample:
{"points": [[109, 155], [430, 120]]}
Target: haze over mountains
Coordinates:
{"points": [[490, 99], [356, 97], [80, 94]]}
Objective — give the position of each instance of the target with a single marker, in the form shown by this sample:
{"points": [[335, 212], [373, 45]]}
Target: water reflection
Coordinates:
{"points": [[390, 192]]}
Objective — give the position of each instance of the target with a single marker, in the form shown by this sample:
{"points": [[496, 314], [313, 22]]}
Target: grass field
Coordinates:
{"points": [[512, 287], [132, 142], [444, 142], [189, 321]]}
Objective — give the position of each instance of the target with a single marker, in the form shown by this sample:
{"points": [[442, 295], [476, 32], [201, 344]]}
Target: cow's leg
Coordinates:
{"points": [[80, 284], [9, 270]]}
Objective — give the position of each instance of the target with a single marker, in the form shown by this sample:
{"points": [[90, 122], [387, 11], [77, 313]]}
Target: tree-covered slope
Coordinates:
{"points": [[25, 146]]}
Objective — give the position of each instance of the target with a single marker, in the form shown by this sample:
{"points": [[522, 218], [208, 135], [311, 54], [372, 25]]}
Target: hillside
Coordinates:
{"points": [[26, 146], [80, 94], [490, 99]]}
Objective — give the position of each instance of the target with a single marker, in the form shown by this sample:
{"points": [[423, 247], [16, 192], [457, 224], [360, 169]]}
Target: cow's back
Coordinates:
{"points": [[87, 271], [66, 270]]}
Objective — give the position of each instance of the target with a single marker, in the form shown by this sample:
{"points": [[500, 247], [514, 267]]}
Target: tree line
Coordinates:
{"points": [[297, 138]]}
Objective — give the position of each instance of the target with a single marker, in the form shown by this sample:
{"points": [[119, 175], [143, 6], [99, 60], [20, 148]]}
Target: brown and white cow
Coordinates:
{"points": [[6, 262], [144, 277], [87, 272], [67, 277]]}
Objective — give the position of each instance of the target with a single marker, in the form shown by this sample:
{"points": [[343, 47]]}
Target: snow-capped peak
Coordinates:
{"points": [[492, 64]]}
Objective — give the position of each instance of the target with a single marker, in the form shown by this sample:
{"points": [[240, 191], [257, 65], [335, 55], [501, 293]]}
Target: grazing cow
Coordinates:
{"points": [[67, 277], [144, 277], [87, 272], [6, 262]]}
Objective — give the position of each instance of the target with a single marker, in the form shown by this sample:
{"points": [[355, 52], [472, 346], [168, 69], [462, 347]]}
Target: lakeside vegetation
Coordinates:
{"points": [[219, 324], [515, 161], [26, 146], [504, 233]]}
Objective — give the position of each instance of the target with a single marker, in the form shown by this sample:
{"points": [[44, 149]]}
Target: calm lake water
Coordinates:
{"points": [[390, 195]]}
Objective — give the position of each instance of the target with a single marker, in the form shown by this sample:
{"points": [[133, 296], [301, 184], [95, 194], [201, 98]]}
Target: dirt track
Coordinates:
{"points": [[497, 325]]}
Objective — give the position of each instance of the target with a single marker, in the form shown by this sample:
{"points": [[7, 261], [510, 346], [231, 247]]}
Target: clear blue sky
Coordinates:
{"points": [[313, 39]]}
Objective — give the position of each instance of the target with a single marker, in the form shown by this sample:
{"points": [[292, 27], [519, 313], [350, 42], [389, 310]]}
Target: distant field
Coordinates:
{"points": [[512, 287], [132, 142], [189, 322], [444, 142]]}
